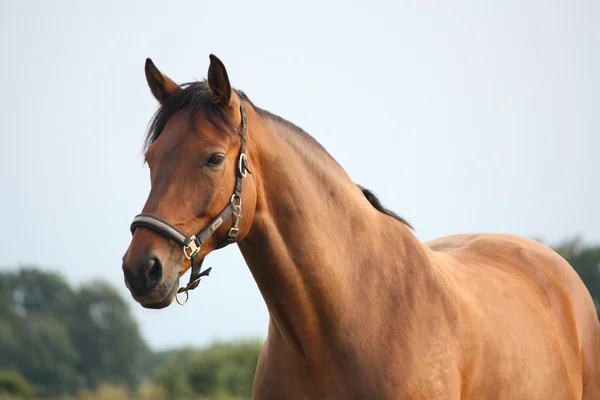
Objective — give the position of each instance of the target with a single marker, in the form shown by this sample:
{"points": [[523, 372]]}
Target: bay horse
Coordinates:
{"points": [[359, 307]]}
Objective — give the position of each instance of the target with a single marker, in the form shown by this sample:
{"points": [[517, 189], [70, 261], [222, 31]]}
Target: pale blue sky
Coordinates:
{"points": [[462, 116]]}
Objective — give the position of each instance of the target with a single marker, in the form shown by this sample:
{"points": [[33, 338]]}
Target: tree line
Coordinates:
{"points": [[57, 340], [63, 339]]}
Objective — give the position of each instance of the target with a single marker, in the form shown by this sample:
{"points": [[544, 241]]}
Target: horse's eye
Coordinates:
{"points": [[215, 160]]}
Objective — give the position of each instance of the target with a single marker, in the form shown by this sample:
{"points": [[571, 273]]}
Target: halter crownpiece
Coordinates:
{"points": [[192, 245]]}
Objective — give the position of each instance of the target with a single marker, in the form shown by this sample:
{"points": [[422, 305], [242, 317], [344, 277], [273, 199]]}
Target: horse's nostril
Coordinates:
{"points": [[153, 271], [144, 277]]}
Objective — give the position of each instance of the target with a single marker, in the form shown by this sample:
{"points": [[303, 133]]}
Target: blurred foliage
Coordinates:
{"points": [[219, 370], [82, 343], [63, 340], [104, 392], [100, 319], [13, 384]]}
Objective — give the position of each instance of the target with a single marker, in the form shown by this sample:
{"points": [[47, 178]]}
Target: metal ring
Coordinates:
{"points": [[239, 200], [187, 296]]}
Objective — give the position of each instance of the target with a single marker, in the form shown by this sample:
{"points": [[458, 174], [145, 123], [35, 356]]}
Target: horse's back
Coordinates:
{"points": [[526, 297]]}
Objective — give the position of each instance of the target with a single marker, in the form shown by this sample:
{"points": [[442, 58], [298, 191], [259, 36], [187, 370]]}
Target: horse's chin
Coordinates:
{"points": [[160, 305], [164, 302]]}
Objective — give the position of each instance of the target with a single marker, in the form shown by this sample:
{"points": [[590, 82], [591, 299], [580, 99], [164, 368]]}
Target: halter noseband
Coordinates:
{"points": [[192, 245]]}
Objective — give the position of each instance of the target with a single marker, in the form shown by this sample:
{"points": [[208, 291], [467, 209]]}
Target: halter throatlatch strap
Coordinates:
{"points": [[191, 245]]}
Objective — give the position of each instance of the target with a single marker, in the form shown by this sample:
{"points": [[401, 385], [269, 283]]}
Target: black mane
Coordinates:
{"points": [[193, 96], [377, 204], [196, 96]]}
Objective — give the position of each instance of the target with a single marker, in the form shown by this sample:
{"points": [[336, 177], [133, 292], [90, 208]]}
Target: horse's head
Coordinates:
{"points": [[196, 154]]}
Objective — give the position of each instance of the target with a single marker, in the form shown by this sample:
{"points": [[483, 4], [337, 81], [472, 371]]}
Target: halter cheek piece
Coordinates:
{"points": [[192, 245]]}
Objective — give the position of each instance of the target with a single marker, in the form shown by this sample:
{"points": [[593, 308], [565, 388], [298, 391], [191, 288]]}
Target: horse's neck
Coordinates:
{"points": [[315, 244]]}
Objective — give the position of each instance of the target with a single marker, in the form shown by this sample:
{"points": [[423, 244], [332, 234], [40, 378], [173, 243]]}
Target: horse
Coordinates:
{"points": [[359, 307]]}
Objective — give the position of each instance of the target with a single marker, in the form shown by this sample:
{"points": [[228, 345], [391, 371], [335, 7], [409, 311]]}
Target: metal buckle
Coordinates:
{"points": [[242, 163], [192, 247], [233, 232], [237, 214]]}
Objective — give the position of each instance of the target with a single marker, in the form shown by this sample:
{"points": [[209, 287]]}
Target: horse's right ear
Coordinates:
{"points": [[160, 85]]}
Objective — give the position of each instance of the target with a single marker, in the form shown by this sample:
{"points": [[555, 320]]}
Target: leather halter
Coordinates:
{"points": [[191, 245]]}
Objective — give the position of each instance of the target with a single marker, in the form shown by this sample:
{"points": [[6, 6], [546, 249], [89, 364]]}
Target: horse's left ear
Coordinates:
{"points": [[218, 82], [161, 85]]}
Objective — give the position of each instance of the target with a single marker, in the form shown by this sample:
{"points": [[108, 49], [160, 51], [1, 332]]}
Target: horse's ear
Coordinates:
{"points": [[218, 81], [160, 85]]}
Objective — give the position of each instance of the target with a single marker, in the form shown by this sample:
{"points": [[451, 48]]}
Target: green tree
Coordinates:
{"points": [[234, 365], [106, 337], [34, 340], [219, 371], [174, 381], [63, 340]]}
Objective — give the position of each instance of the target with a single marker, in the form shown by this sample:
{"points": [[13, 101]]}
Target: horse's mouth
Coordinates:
{"points": [[165, 302], [164, 295]]}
